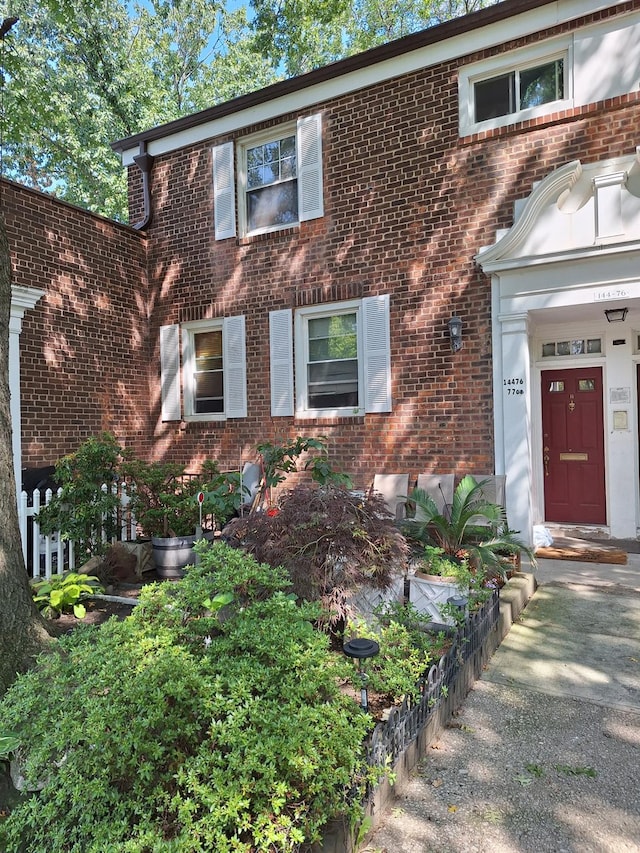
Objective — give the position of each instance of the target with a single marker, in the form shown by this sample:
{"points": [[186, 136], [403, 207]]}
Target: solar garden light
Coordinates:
{"points": [[361, 649], [459, 601]]}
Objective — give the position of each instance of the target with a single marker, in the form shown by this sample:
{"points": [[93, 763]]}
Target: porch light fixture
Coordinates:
{"points": [[361, 649], [455, 333], [616, 315]]}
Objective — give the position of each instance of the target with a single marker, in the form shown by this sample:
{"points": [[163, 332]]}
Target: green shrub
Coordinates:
{"points": [[84, 512], [188, 727], [407, 650]]}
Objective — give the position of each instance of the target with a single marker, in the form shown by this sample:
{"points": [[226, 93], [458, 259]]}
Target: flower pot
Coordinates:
{"points": [[172, 554], [428, 593], [368, 598]]}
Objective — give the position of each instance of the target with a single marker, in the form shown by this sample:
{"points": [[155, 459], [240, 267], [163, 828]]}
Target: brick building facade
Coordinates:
{"points": [[270, 295]]}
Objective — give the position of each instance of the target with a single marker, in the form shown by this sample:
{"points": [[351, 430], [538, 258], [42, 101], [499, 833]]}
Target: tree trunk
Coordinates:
{"points": [[22, 631]]}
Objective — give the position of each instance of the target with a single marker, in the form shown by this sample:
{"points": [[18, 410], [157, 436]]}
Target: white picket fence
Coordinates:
{"points": [[46, 555]]}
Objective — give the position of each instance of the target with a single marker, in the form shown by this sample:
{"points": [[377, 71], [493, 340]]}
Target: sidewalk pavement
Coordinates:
{"points": [[544, 755]]}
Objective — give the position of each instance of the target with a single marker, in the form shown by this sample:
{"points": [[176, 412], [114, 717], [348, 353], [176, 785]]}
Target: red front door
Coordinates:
{"points": [[573, 446]]}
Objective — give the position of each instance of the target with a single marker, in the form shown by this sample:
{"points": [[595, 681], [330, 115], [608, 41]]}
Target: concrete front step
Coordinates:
{"points": [[514, 596]]}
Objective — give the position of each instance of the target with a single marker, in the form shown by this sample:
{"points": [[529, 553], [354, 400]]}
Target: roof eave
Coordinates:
{"points": [[382, 53]]}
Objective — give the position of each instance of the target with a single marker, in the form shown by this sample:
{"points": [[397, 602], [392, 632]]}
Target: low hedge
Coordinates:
{"points": [[196, 724]]}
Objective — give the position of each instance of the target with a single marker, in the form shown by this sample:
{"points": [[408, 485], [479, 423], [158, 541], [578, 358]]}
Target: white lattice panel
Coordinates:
{"points": [[367, 599], [427, 596]]}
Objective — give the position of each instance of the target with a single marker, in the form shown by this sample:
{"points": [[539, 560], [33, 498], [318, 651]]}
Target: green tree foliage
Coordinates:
{"points": [[79, 75], [299, 35]]}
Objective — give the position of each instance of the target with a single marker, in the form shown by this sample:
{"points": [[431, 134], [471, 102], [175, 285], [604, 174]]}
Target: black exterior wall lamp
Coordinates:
{"points": [[455, 333]]}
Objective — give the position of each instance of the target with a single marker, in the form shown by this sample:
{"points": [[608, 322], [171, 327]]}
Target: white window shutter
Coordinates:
{"points": [[235, 367], [309, 142], [281, 362], [170, 372], [377, 353], [224, 196]]}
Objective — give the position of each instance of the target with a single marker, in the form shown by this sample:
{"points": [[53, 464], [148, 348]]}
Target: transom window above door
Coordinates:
{"points": [[572, 347]]}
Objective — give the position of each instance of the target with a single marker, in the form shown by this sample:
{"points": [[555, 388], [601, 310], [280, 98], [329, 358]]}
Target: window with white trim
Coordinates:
{"points": [[271, 184], [341, 363], [499, 91], [209, 381], [519, 89], [278, 181]]}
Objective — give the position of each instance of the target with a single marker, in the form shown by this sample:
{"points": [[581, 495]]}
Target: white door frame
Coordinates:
{"points": [[573, 252]]}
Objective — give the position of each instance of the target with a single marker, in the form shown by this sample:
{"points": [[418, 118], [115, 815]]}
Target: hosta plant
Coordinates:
{"points": [[63, 593]]}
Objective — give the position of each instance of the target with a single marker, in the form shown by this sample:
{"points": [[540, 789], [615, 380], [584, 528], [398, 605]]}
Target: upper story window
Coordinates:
{"points": [[212, 382], [271, 184], [528, 83], [276, 175], [341, 362], [520, 89]]}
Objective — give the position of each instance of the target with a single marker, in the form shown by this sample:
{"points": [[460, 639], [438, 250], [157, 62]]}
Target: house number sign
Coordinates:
{"points": [[513, 386]]}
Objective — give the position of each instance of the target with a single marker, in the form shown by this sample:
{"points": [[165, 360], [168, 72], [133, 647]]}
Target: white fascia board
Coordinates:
{"points": [[549, 15]]}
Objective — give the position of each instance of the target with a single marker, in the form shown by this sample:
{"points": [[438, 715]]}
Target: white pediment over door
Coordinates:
{"points": [[578, 210]]}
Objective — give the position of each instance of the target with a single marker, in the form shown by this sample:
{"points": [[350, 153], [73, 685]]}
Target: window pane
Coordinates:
{"points": [[333, 384], [273, 205], [548, 349], [269, 163], [542, 84], [208, 377], [586, 385], [564, 348], [333, 337], [557, 386], [208, 346], [594, 345], [332, 371], [494, 97], [577, 347]]}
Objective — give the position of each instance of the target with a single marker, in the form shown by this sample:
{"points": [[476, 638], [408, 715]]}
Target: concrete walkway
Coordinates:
{"points": [[544, 756]]}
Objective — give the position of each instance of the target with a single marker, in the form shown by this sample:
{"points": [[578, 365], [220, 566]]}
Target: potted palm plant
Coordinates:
{"points": [[470, 541]]}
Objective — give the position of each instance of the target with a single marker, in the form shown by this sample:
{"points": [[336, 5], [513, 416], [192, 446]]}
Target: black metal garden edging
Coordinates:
{"points": [[391, 737], [399, 742]]}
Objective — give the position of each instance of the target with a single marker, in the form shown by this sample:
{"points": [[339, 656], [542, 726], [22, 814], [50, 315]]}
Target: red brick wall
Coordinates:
{"points": [[407, 206], [83, 349]]}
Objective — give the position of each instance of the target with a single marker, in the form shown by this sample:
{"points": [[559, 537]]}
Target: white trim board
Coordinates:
{"points": [[549, 15]]}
